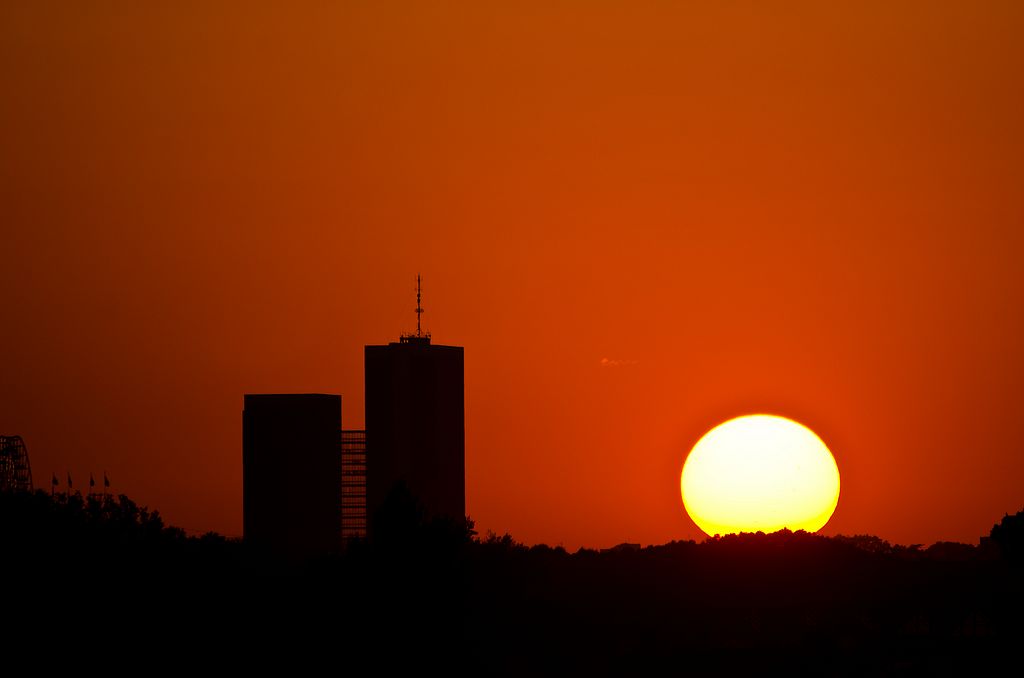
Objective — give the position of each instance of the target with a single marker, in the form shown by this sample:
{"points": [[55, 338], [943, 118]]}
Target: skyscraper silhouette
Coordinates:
{"points": [[415, 425], [291, 473]]}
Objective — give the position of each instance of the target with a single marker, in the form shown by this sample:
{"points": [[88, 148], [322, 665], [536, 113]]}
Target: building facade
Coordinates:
{"points": [[353, 485], [291, 473], [415, 426]]}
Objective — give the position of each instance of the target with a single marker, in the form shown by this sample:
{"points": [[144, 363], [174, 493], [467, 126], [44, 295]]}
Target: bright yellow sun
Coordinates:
{"points": [[760, 473]]}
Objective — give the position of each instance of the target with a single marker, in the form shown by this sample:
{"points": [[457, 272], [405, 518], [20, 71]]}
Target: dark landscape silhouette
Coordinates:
{"points": [[102, 572]]}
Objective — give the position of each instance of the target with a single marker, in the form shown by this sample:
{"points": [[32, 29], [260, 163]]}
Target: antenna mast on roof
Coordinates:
{"points": [[420, 337], [419, 307]]}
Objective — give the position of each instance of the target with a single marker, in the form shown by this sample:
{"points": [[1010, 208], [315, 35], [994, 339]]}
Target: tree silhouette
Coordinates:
{"points": [[744, 603], [1008, 534]]}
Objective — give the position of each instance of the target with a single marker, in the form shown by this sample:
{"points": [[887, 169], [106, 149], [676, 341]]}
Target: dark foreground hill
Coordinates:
{"points": [[104, 582]]}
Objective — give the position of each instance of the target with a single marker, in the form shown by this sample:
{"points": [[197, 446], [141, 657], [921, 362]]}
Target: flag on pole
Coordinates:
{"points": [[106, 481], [55, 482], [92, 483], [69, 480]]}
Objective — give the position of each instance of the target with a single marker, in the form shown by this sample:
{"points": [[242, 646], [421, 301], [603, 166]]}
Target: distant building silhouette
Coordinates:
{"points": [[291, 473], [309, 487], [415, 425]]}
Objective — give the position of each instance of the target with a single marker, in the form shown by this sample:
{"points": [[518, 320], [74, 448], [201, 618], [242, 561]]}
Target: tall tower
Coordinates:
{"points": [[291, 473], [415, 423]]}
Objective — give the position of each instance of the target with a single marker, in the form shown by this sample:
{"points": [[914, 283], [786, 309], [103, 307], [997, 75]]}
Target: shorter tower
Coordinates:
{"points": [[291, 471]]}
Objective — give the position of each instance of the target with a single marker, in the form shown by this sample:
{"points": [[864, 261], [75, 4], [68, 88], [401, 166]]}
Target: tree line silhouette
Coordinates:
{"points": [[437, 593]]}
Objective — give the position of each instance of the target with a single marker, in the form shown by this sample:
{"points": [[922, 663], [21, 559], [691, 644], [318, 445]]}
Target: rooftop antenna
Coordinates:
{"points": [[420, 337], [419, 307]]}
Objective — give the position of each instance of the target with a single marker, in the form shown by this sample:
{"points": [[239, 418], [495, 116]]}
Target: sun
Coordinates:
{"points": [[760, 473]]}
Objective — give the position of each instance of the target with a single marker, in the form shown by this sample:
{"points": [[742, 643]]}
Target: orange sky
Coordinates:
{"points": [[639, 218]]}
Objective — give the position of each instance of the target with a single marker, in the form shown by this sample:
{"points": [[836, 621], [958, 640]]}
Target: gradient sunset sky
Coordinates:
{"points": [[638, 218]]}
